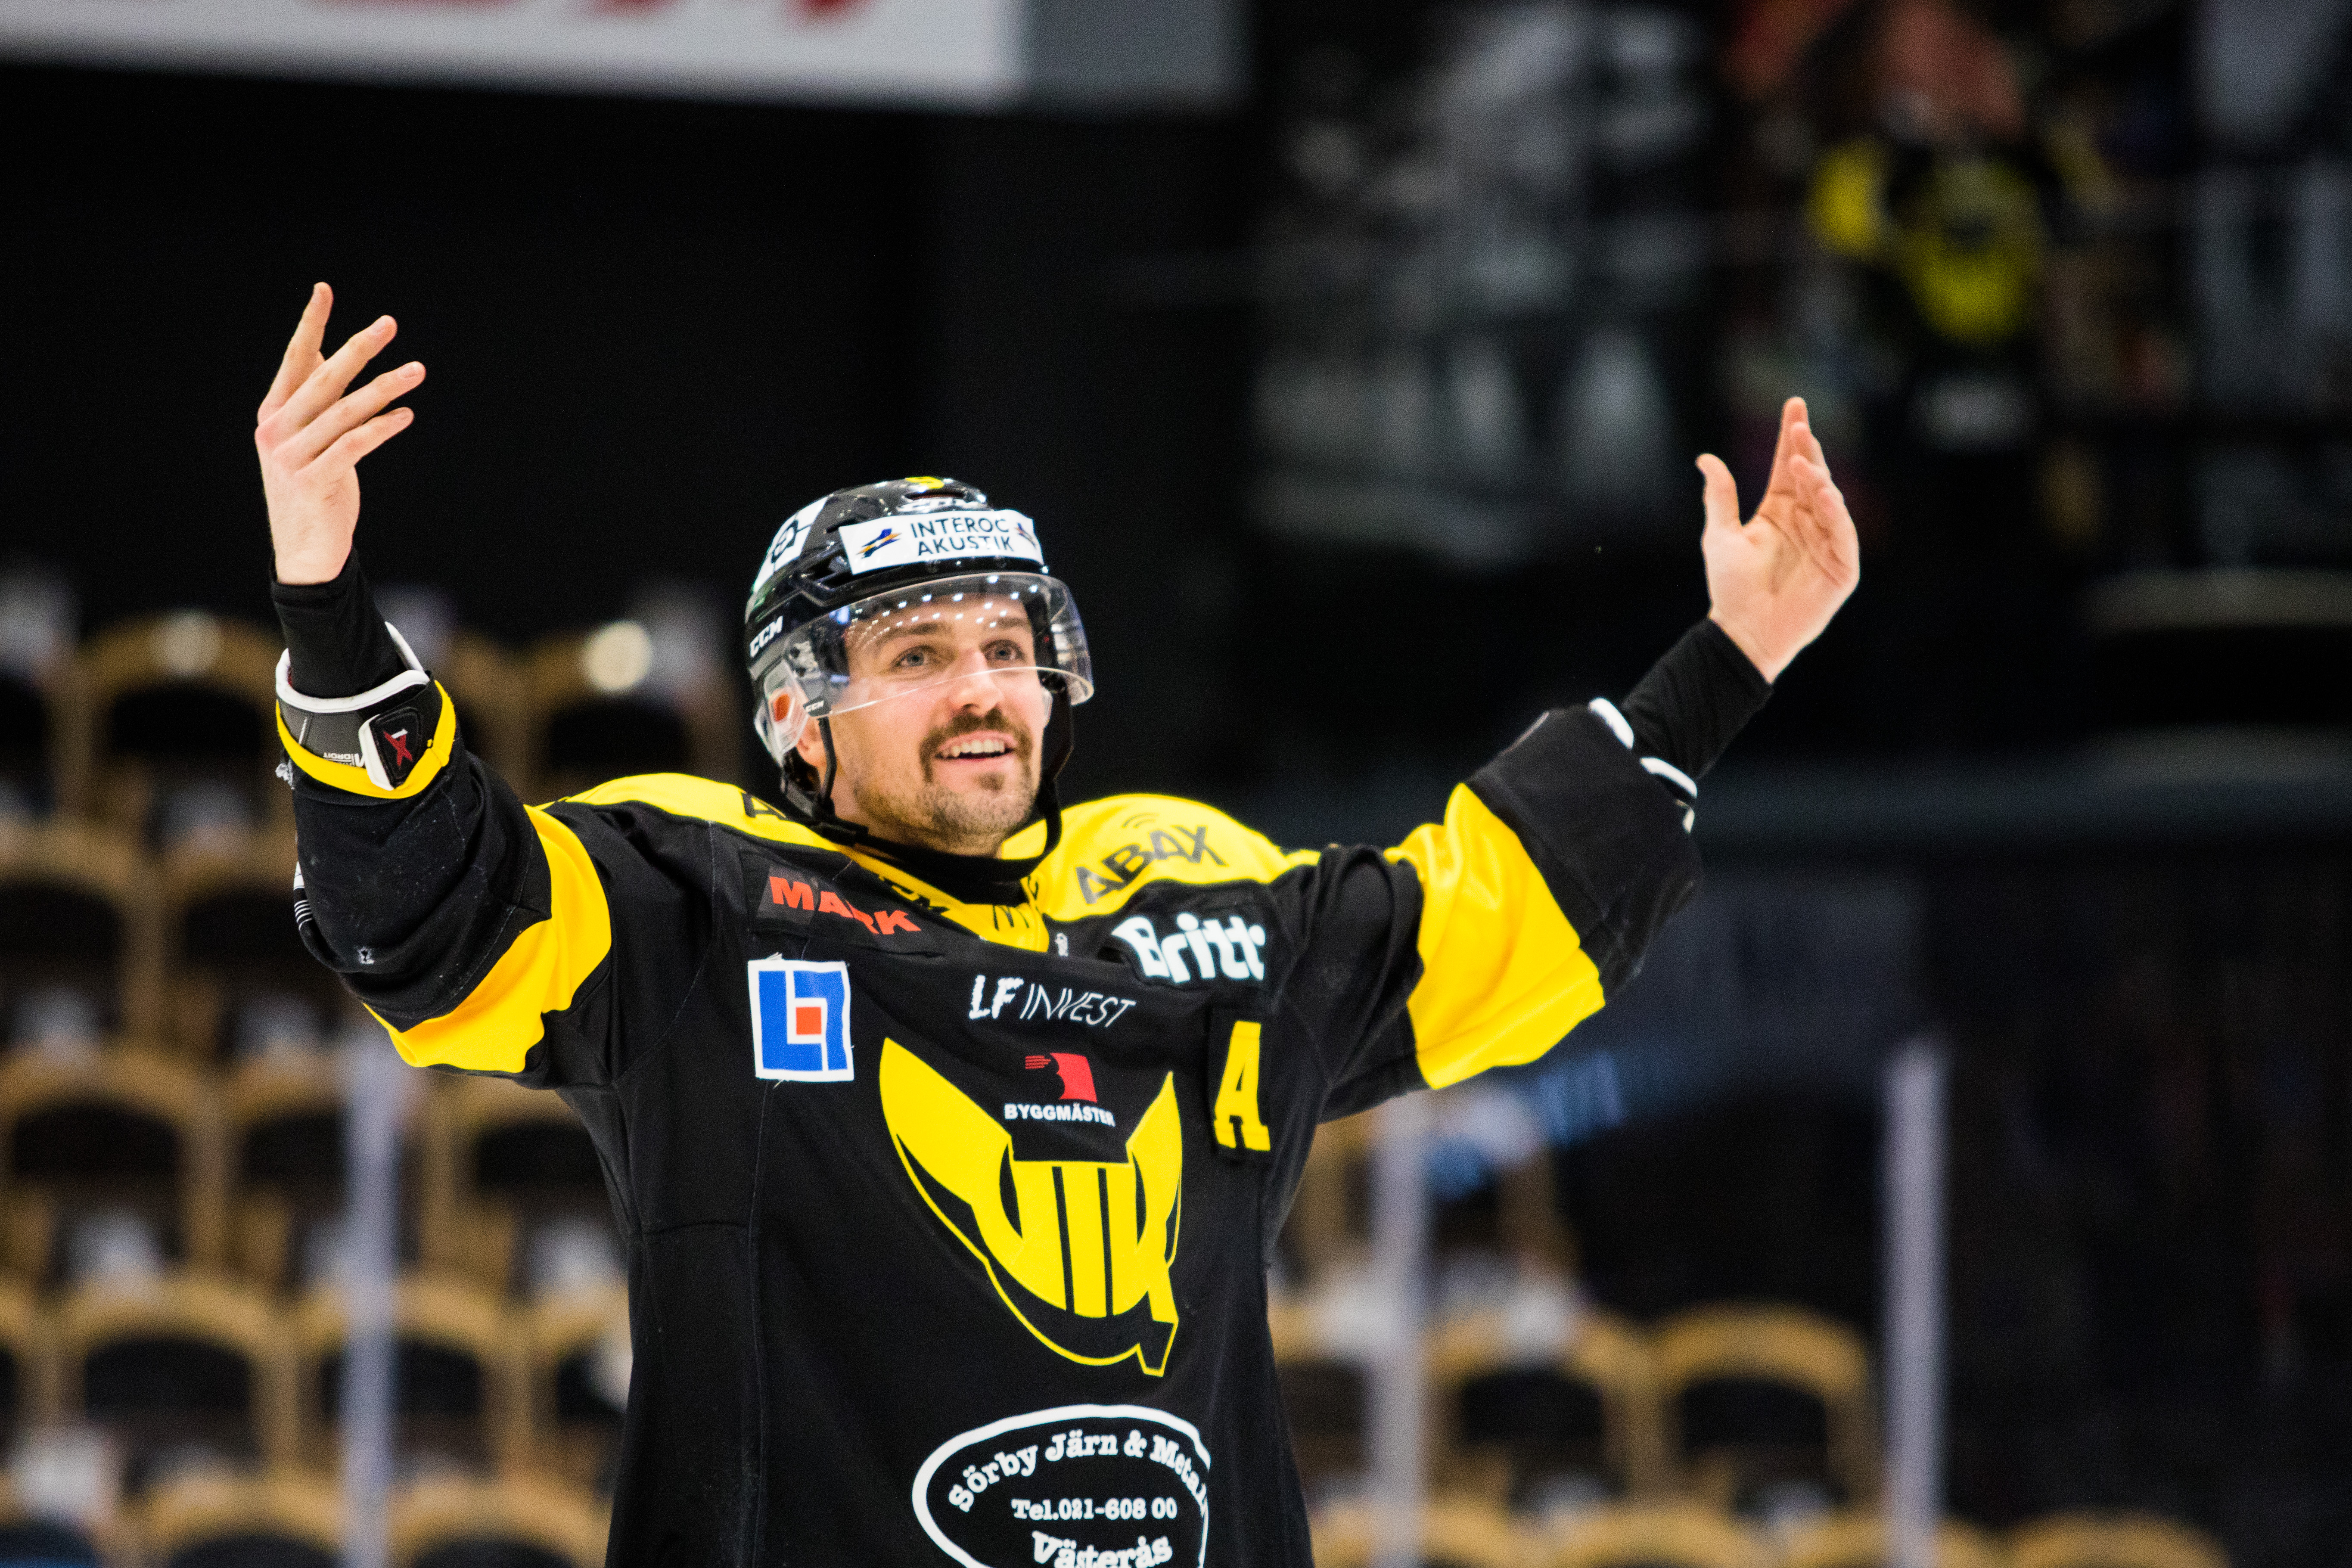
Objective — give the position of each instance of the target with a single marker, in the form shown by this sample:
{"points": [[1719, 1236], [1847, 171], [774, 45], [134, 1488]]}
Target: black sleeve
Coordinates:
{"points": [[483, 933], [1482, 939], [337, 640], [1608, 841], [1695, 699]]}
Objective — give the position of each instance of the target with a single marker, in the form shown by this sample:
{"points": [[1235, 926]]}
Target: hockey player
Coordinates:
{"points": [[947, 1128]]}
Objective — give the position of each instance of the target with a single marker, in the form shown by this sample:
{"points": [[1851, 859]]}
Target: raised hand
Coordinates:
{"points": [[312, 436], [1773, 584]]}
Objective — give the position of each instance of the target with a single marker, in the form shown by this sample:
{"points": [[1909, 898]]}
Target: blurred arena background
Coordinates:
{"points": [[1352, 357]]}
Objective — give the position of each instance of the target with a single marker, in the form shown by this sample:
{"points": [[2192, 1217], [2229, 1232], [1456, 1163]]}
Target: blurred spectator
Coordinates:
{"points": [[67, 1483], [114, 1247], [38, 621]]}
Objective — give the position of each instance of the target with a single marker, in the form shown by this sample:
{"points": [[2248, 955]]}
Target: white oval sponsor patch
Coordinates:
{"points": [[1081, 1486]]}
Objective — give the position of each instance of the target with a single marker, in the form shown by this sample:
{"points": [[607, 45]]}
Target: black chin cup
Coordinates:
{"points": [[809, 798]]}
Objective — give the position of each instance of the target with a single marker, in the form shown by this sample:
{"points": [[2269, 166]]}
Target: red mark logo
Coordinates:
{"points": [[399, 739], [784, 893]]}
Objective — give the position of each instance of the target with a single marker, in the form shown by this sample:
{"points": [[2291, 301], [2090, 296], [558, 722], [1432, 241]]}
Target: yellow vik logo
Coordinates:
{"points": [[1078, 1249]]}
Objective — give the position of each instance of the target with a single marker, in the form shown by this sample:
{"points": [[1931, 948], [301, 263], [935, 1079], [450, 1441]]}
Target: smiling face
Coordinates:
{"points": [[939, 726]]}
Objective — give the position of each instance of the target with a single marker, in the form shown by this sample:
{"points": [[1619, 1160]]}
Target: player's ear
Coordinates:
{"points": [[809, 742]]}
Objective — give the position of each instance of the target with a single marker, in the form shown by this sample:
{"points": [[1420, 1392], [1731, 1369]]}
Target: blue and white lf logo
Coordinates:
{"points": [[799, 1021]]}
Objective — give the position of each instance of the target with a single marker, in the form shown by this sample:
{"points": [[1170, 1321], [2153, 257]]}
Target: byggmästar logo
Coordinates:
{"points": [[799, 1021]]}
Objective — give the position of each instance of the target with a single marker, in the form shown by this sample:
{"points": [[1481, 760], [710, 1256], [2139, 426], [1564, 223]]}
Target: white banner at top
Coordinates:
{"points": [[950, 53]]}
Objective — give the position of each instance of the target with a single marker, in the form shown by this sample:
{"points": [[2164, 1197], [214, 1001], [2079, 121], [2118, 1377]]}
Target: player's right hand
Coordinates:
{"points": [[312, 436]]}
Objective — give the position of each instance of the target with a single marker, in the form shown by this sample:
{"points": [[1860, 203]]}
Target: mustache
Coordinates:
{"points": [[964, 724]]}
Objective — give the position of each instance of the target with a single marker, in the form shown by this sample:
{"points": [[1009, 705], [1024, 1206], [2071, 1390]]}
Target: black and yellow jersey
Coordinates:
{"points": [[948, 1222]]}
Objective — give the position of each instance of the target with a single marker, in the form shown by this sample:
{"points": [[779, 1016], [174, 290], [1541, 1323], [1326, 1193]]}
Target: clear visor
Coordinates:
{"points": [[1017, 631]]}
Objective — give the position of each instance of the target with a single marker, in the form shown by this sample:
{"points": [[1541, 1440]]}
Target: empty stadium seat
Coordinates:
{"points": [[188, 1360], [125, 1132], [577, 1395], [1323, 1396], [501, 1162], [28, 724], [1653, 1535], [28, 1391], [1504, 1418], [603, 705], [285, 1147], [1757, 1397], [459, 1374], [182, 738], [286, 1159], [239, 979], [27, 1541], [2112, 1541], [1860, 1541], [282, 1520], [1328, 1218], [80, 936], [1455, 1533], [493, 700], [1491, 1179], [1511, 1216], [522, 1523]]}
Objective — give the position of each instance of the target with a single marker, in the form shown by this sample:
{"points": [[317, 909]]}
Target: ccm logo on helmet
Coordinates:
{"points": [[767, 635]]}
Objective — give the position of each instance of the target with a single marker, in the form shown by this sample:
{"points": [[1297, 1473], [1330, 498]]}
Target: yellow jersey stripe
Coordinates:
{"points": [[683, 794], [1112, 849], [1504, 976], [344, 776], [494, 1028]]}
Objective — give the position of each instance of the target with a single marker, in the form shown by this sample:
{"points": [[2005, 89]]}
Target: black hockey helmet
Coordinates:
{"points": [[853, 561]]}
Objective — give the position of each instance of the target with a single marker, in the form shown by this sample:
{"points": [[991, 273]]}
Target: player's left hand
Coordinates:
{"points": [[1773, 583]]}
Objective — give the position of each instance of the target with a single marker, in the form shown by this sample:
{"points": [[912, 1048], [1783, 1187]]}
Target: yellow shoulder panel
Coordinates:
{"points": [[1504, 977], [682, 794], [493, 1030], [1110, 847]]}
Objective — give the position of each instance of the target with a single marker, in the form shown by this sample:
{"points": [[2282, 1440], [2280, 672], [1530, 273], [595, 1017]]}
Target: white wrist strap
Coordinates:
{"points": [[1607, 712], [413, 676], [1656, 767], [1671, 774]]}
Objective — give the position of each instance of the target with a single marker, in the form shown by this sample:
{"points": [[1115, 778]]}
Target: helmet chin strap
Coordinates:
{"points": [[984, 875]]}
